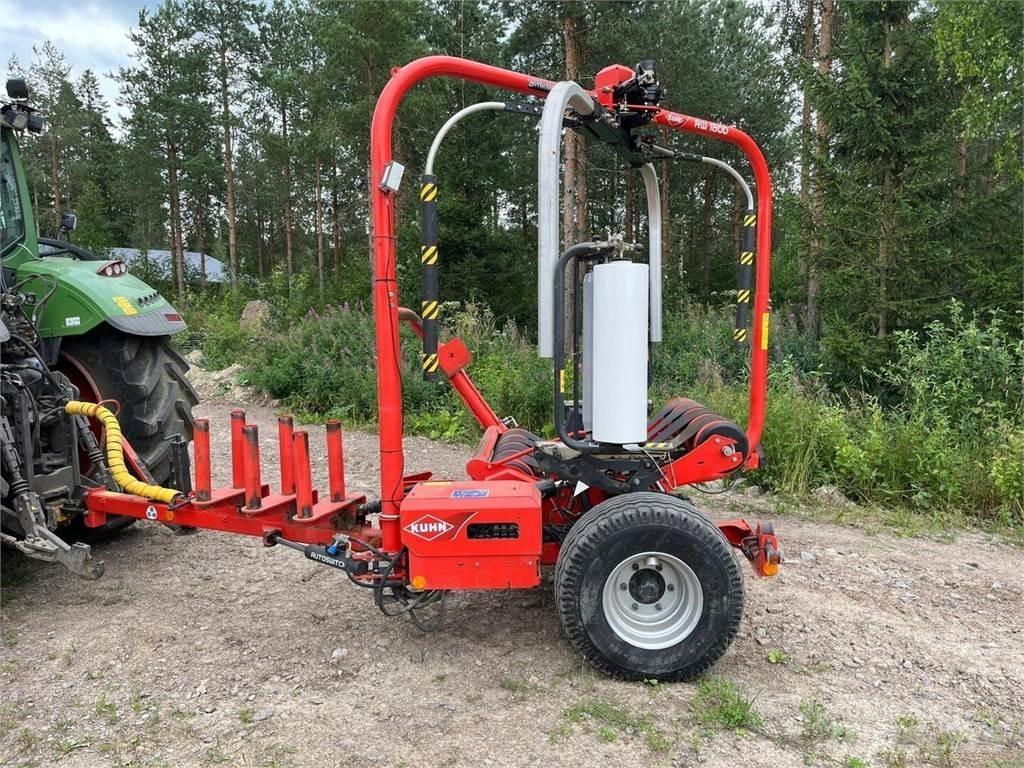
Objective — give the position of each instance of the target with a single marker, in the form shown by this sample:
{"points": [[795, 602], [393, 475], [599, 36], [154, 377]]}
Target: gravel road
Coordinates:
{"points": [[208, 649]]}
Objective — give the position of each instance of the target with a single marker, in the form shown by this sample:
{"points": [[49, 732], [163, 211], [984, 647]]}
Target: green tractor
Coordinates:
{"points": [[75, 326]]}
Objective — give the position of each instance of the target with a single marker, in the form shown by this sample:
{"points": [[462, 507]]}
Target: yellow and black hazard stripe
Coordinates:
{"points": [[430, 310], [428, 192], [430, 364], [745, 276], [429, 255]]}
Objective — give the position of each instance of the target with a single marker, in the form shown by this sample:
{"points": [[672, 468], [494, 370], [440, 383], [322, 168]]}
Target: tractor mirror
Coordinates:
{"points": [[17, 88], [68, 222]]}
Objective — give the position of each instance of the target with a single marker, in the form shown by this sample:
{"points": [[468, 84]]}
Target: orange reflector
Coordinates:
{"points": [[769, 569], [419, 582]]}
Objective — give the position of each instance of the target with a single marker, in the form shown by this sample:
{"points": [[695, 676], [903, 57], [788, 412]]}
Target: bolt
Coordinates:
{"points": [[657, 606], [727, 450], [670, 587], [622, 586], [635, 606], [658, 567], [636, 567]]}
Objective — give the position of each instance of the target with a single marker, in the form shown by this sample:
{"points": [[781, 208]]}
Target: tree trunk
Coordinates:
{"points": [[271, 245], [884, 235], [259, 242], [629, 194], [177, 237], [229, 169], [290, 263], [666, 232], [335, 222], [806, 158], [707, 211], [55, 177], [574, 181], [318, 228], [813, 319], [201, 230]]}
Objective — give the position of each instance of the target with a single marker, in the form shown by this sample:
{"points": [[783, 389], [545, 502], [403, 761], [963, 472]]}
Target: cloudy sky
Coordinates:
{"points": [[91, 34]]}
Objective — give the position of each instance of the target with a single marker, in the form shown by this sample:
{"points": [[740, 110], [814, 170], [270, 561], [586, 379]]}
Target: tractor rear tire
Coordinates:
{"points": [[647, 587], [148, 377]]}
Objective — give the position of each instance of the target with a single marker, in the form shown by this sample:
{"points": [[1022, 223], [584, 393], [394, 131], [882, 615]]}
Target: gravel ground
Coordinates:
{"points": [[209, 650]]}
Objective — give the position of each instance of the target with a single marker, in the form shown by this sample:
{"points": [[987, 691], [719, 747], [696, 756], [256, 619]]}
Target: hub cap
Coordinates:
{"points": [[652, 600]]}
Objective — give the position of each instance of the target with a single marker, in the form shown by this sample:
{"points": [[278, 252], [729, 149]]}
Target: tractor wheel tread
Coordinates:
{"points": [[149, 379], [631, 514]]}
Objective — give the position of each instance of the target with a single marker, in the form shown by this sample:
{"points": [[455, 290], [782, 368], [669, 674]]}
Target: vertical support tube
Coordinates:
{"points": [[746, 276], [202, 454], [285, 427], [303, 475], [429, 305], [237, 449], [654, 248], [549, 179], [253, 482], [385, 282], [335, 461]]}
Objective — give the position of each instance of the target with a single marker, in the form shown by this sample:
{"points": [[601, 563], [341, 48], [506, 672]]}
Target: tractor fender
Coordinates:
{"points": [[82, 299]]}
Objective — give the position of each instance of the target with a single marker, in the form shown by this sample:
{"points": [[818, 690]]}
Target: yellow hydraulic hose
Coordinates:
{"points": [[115, 453]]}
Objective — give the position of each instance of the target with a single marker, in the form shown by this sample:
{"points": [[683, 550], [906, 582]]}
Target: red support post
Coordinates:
{"points": [[286, 453], [237, 449], [335, 461], [253, 483], [303, 475], [202, 455], [385, 279]]}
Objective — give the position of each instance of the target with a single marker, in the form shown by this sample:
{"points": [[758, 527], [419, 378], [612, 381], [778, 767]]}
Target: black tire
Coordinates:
{"points": [[624, 527], [149, 379]]}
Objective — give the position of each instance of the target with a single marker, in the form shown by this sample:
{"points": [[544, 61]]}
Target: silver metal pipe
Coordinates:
{"points": [[735, 174], [549, 151], [472, 108], [654, 245]]}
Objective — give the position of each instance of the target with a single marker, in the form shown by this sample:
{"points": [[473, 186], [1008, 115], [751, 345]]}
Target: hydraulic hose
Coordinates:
{"points": [[115, 453]]}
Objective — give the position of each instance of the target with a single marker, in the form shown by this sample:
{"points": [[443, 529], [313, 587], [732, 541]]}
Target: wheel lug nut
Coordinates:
{"points": [[670, 587], [658, 566], [657, 606], [636, 567], [635, 607], [622, 586]]}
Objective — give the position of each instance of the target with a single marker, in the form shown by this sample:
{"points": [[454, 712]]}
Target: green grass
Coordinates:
{"points": [[611, 721], [245, 715], [777, 656], [106, 709], [819, 724], [719, 703], [519, 688]]}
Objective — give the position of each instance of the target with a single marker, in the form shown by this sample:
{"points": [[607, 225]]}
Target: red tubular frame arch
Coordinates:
{"points": [[385, 284]]}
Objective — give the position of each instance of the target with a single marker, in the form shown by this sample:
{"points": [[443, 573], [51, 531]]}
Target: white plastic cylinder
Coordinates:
{"points": [[620, 316]]}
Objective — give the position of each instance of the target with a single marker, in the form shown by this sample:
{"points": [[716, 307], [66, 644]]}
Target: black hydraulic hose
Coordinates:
{"points": [[429, 304], [744, 295], [581, 250]]}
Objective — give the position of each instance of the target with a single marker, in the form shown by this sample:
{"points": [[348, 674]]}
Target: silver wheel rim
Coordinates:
{"points": [[652, 600]]}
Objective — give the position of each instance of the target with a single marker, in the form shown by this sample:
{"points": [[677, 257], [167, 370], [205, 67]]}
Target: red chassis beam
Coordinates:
{"points": [[385, 284]]}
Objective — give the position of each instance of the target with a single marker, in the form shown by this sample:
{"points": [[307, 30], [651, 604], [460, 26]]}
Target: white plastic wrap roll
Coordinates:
{"points": [[620, 315]]}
